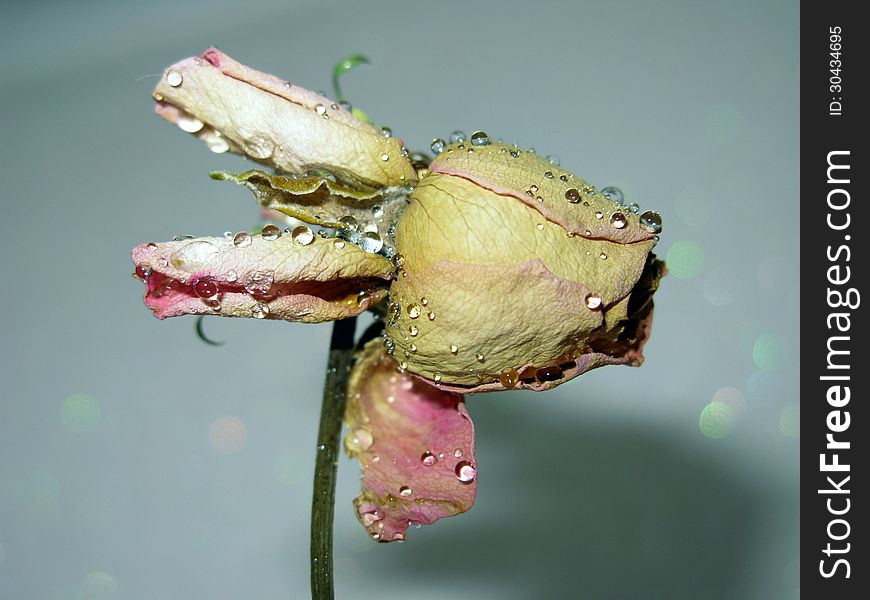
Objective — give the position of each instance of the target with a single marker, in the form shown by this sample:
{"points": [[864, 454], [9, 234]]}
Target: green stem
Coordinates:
{"points": [[325, 466]]}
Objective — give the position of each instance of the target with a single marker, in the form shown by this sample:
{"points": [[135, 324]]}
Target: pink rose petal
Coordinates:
{"points": [[415, 443]]}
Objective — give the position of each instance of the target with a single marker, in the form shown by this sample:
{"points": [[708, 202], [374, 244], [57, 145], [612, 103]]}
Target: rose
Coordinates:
{"points": [[503, 271]]}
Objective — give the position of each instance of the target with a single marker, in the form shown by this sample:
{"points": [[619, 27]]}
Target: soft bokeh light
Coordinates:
{"points": [[80, 413], [685, 259], [731, 397], [770, 352], [228, 435], [716, 420], [790, 420]]}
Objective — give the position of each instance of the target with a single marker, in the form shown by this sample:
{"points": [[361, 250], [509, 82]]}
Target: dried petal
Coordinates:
{"points": [[558, 195], [311, 282], [415, 444], [276, 123], [317, 200]]}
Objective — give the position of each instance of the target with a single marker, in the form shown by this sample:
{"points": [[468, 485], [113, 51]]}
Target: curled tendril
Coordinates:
{"points": [[200, 333], [341, 67]]}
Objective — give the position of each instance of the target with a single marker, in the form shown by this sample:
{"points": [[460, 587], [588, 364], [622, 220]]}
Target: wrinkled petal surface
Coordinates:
{"points": [[296, 277], [317, 200], [234, 108], [415, 444], [558, 195]]}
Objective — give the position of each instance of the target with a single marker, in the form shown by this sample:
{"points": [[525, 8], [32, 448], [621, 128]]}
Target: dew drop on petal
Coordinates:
{"points": [[428, 459], [174, 78], [151, 246], [386, 132], [454, 348], [413, 330], [270, 232], [553, 159], [242, 239], [457, 137], [405, 491], [465, 471], [189, 123], [414, 310], [348, 222], [371, 242], [602, 256], [651, 221], [509, 377], [437, 146], [457, 453], [479, 138], [143, 271], [437, 378], [260, 310], [205, 287], [320, 109], [361, 439], [572, 195], [302, 235], [593, 301], [338, 244], [614, 194], [480, 357], [162, 262], [617, 220]]}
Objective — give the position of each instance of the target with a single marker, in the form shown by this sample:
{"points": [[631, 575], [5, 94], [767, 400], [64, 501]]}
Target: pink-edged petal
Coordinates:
{"points": [[296, 277], [560, 196], [234, 108], [415, 444]]}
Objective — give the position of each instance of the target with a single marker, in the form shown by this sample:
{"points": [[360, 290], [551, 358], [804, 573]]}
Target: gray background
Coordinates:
{"points": [[608, 487]]}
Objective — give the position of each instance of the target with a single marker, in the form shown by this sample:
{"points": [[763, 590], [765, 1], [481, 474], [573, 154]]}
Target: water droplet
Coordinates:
{"points": [[151, 246], [553, 159], [465, 471], [242, 239], [216, 143], [385, 157], [320, 109], [143, 271], [548, 174], [371, 242], [338, 244], [260, 282], [424, 301], [457, 453], [195, 255], [231, 276], [378, 211], [162, 262], [593, 301], [270, 232], [174, 78], [413, 347], [260, 147], [437, 146], [479, 138], [509, 377], [454, 348], [260, 310], [413, 330], [572, 195], [302, 235], [189, 123], [405, 491], [457, 137], [205, 287], [348, 222], [614, 194], [361, 439], [651, 221], [431, 316], [414, 310], [634, 207], [548, 373], [398, 260], [480, 357], [386, 132], [602, 256], [428, 459], [618, 221], [540, 226], [437, 378], [515, 153]]}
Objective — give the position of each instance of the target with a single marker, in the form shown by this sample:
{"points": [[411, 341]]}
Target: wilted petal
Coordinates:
{"points": [[318, 200], [560, 196], [415, 444], [294, 277], [233, 107]]}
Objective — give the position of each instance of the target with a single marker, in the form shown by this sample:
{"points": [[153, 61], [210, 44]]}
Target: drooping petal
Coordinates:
{"points": [[415, 444], [297, 276], [558, 195], [235, 108], [319, 201]]}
